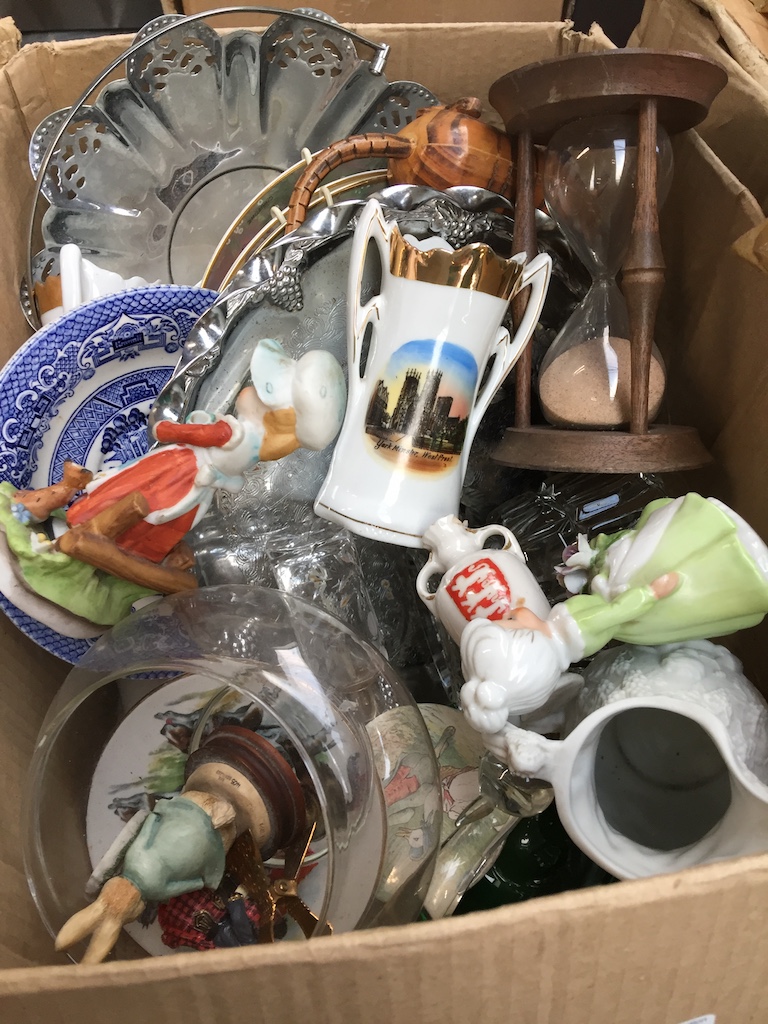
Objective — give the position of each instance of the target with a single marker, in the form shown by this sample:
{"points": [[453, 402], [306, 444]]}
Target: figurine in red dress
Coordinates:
{"points": [[291, 404]]}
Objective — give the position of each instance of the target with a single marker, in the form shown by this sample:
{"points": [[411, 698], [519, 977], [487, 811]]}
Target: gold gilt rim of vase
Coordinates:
{"points": [[475, 267]]}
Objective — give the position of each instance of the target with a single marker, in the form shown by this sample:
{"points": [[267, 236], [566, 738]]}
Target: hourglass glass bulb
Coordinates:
{"points": [[589, 185], [590, 177]]}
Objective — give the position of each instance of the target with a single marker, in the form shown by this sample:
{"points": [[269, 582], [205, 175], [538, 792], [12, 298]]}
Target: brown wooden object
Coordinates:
{"points": [[93, 542], [442, 146], [268, 771], [675, 89], [548, 94], [665, 448], [524, 240], [643, 270]]}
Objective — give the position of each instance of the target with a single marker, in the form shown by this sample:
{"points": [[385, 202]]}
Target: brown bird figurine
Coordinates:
{"points": [[442, 146]]}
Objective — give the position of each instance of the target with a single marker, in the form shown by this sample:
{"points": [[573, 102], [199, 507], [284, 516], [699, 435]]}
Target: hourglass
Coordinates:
{"points": [[589, 179], [605, 118]]}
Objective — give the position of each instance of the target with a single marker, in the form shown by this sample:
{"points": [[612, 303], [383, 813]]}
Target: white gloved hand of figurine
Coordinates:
{"points": [[485, 705]]}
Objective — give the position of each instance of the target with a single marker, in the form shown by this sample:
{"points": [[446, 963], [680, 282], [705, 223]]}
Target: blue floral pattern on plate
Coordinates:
{"points": [[81, 389]]}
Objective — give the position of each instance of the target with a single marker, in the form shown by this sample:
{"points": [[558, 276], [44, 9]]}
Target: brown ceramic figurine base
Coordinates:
{"points": [[261, 785], [663, 449]]}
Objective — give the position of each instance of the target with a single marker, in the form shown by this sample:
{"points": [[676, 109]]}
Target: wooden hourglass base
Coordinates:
{"points": [[664, 449]]}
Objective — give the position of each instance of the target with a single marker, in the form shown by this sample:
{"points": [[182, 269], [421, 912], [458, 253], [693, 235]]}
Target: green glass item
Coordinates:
{"points": [[537, 859]]}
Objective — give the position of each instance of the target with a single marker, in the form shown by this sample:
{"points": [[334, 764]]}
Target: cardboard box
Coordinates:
{"points": [[679, 948], [738, 119], [395, 11]]}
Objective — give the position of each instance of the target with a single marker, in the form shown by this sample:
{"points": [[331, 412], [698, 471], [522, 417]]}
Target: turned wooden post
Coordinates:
{"points": [[643, 270], [524, 240]]}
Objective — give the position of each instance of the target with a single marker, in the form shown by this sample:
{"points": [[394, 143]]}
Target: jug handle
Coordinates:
{"points": [[427, 571], [511, 542], [536, 274], [371, 227]]}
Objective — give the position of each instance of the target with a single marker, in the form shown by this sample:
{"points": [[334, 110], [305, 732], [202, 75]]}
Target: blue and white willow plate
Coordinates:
{"points": [[81, 389]]}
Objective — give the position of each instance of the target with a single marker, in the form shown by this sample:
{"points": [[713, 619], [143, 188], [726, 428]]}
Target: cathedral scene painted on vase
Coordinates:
{"points": [[418, 411]]}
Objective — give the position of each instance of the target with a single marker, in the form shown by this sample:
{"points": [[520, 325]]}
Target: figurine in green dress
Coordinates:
{"points": [[691, 569]]}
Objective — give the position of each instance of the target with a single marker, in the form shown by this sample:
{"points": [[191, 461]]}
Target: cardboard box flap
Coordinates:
{"points": [[42, 82], [741, 30], [744, 32], [738, 120], [10, 40], [397, 11]]}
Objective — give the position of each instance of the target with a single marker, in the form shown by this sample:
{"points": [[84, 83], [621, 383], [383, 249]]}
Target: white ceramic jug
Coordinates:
{"points": [[477, 582], [665, 761], [419, 386]]}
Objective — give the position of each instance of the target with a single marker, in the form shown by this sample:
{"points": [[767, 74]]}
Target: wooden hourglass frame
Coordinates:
{"points": [[667, 87]]}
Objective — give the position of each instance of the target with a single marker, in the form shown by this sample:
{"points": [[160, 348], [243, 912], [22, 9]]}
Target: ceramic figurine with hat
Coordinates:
{"points": [[131, 520]]}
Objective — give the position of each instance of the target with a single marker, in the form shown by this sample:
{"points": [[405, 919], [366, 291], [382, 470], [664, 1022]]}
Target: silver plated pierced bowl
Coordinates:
{"points": [[148, 178]]}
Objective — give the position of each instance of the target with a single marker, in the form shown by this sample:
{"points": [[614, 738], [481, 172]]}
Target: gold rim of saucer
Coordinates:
{"points": [[241, 221], [275, 228]]}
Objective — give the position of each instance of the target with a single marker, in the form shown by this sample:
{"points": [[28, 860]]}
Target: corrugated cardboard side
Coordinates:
{"points": [[396, 11], [654, 952], [32, 84], [737, 125], [658, 952]]}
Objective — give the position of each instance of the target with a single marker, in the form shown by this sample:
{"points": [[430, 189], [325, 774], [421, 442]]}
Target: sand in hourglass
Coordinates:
{"points": [[575, 389]]}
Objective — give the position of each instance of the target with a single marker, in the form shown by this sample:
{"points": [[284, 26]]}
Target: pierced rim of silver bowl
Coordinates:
{"points": [[55, 126]]}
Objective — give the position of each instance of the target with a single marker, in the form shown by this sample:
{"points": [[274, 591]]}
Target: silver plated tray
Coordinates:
{"points": [[148, 178]]}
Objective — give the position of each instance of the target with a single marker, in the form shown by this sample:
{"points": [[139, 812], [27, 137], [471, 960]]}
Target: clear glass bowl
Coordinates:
{"points": [[343, 711]]}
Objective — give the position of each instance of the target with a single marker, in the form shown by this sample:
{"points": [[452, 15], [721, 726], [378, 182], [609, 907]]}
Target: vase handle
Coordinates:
{"points": [[507, 349], [371, 227]]}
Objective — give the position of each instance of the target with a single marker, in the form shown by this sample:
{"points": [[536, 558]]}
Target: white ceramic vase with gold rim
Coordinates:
{"points": [[418, 354]]}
